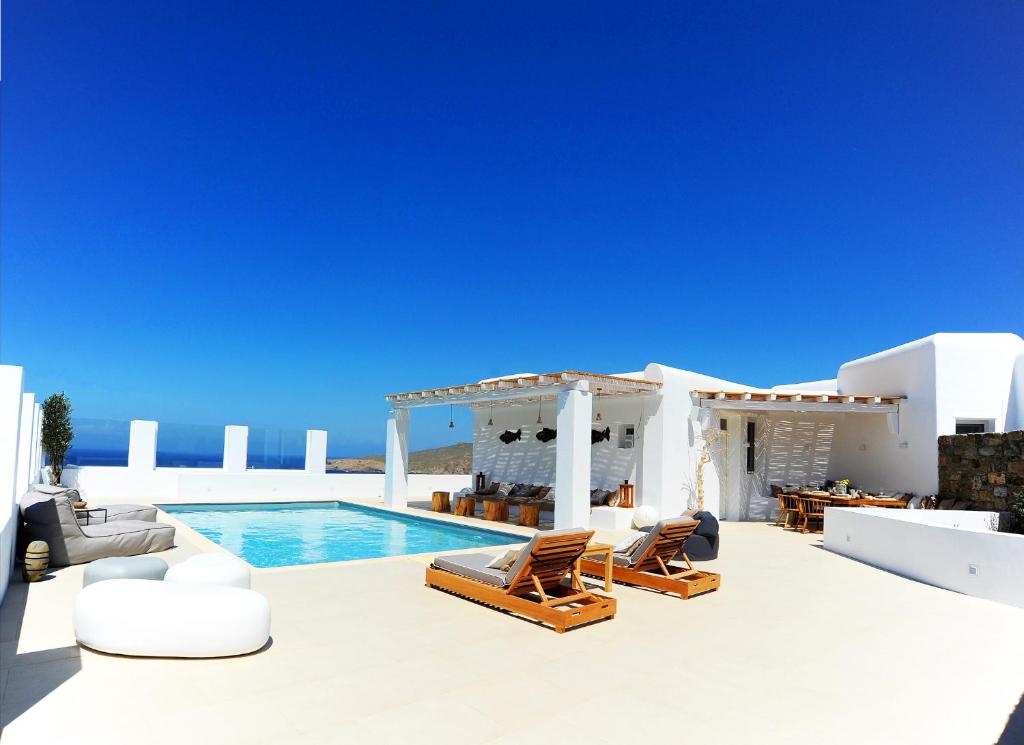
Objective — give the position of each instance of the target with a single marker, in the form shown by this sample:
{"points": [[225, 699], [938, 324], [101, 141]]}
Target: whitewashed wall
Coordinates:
{"points": [[939, 547], [107, 484], [530, 461]]}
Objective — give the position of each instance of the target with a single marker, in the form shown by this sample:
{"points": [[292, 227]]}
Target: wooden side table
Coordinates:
{"points": [[626, 494], [440, 501], [597, 549], [465, 506], [495, 509], [529, 515]]}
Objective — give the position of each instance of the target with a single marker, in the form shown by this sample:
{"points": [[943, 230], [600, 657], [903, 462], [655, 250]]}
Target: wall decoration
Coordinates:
{"points": [[547, 434], [597, 435], [508, 436]]}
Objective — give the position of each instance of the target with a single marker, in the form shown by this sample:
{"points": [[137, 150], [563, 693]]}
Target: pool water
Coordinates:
{"points": [[293, 533]]}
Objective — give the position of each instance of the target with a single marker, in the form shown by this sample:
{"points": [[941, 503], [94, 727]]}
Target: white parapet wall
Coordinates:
{"points": [[112, 483], [954, 549]]}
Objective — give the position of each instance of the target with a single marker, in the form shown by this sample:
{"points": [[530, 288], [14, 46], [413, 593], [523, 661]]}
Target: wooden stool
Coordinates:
{"points": [[529, 515], [495, 509], [465, 506], [440, 502]]}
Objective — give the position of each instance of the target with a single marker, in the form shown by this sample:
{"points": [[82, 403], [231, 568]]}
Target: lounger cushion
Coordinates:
{"points": [[626, 545], [641, 548], [505, 488], [116, 512], [473, 566]]}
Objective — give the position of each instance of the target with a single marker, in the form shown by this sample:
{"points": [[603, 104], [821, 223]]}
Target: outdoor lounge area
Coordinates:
{"points": [[388, 672]]}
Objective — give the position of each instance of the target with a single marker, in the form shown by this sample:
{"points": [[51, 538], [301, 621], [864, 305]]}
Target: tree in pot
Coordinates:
{"points": [[57, 433]]}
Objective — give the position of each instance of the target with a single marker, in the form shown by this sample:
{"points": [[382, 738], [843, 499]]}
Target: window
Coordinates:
{"points": [[723, 424], [627, 434], [751, 440], [973, 426]]}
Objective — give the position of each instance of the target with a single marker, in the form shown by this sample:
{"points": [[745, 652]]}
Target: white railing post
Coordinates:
{"points": [[11, 379], [396, 459], [142, 445], [236, 448], [316, 451], [572, 459], [28, 405]]}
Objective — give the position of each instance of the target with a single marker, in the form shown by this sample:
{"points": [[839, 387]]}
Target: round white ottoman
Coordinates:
{"points": [[124, 567], [170, 619], [212, 569]]}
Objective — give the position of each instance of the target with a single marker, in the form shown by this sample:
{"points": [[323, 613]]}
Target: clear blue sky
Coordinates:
{"points": [[275, 213]]}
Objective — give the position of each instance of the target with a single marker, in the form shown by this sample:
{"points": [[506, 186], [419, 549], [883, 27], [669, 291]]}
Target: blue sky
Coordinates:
{"points": [[275, 214]]}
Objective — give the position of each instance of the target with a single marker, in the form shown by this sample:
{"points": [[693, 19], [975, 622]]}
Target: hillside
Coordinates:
{"points": [[451, 459]]}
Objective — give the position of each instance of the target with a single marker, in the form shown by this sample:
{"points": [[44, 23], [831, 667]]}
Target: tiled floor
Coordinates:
{"points": [[798, 646]]}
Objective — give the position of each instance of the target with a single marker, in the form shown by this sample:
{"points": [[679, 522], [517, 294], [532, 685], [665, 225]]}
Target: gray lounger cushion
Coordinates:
{"points": [[475, 567], [53, 520], [628, 559], [119, 512]]}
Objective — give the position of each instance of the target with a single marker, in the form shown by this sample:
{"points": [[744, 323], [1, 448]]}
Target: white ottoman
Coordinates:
{"points": [[124, 567], [212, 569], [142, 618]]}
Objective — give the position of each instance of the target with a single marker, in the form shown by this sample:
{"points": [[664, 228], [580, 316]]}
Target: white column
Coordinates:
{"points": [[28, 406], [572, 459], [142, 445], [37, 441], [10, 425], [236, 448], [396, 459], [316, 451]]}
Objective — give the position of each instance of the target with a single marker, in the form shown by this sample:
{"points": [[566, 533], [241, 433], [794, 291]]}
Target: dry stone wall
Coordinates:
{"points": [[980, 471]]}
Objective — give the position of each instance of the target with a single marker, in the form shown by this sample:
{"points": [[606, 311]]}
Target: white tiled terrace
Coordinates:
{"points": [[799, 645]]}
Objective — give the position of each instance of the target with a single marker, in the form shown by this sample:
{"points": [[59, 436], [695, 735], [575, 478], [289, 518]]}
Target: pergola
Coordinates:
{"points": [[800, 401], [573, 390]]}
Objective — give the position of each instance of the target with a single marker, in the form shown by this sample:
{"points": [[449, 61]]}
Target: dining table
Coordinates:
{"points": [[845, 500]]}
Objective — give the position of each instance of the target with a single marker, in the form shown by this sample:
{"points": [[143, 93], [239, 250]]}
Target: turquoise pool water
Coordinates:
{"points": [[292, 533]]}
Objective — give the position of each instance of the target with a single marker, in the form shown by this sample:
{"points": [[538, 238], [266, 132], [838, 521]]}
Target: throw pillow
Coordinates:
{"points": [[505, 561]]}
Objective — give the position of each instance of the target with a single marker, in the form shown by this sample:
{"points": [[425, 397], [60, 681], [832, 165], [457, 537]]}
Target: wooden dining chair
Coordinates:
{"points": [[789, 510], [812, 510]]}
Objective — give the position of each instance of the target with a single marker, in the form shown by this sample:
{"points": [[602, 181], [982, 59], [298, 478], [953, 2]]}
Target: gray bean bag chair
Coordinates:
{"points": [[52, 518]]}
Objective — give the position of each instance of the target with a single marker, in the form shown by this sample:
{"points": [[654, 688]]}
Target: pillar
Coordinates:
{"points": [[142, 445], [35, 468], [396, 459], [28, 406], [11, 379], [316, 451], [572, 459], [236, 448]]}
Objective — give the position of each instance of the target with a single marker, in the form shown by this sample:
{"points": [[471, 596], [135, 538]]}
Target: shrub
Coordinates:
{"points": [[1017, 511], [57, 433]]}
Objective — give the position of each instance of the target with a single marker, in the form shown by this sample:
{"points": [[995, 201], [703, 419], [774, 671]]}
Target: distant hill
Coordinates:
{"points": [[452, 459]]}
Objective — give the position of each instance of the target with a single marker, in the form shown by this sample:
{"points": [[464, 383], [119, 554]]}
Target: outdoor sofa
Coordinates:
{"points": [[77, 538]]}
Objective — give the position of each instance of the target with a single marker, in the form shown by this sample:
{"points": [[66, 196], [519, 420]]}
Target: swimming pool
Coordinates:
{"points": [[293, 533]]}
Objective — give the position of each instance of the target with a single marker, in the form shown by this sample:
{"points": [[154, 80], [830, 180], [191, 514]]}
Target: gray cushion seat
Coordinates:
{"points": [[630, 558], [474, 566], [118, 512], [52, 519], [125, 567]]}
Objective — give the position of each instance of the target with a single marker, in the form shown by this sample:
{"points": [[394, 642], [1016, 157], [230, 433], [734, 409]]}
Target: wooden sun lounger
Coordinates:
{"points": [[650, 567], [533, 585]]}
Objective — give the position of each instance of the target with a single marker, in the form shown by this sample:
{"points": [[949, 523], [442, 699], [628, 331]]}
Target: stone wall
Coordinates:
{"points": [[981, 471]]}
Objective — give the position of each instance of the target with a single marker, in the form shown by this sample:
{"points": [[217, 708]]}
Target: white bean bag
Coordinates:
{"points": [[212, 569], [143, 618]]}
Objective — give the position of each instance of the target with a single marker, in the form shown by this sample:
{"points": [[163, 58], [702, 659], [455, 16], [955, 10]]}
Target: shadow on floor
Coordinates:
{"points": [[1013, 732], [25, 679]]}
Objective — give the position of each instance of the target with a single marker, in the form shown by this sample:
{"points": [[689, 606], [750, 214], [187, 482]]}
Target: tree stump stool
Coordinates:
{"points": [[495, 509], [465, 506], [529, 515], [440, 502]]}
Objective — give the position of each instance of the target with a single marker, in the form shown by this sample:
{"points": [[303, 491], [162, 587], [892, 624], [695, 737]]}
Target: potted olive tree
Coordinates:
{"points": [[57, 433]]}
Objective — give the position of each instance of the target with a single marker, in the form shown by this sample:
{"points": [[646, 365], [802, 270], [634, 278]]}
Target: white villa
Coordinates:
{"points": [[876, 424]]}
